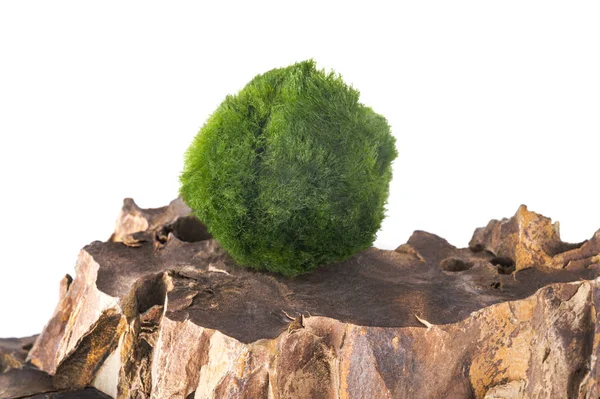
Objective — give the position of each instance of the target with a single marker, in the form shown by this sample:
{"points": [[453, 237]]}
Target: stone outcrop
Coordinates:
{"points": [[161, 311]]}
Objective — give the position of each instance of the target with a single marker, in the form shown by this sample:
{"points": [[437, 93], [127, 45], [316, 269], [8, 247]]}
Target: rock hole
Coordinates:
{"points": [[27, 347], [455, 265], [505, 265], [145, 293], [187, 229], [502, 261], [496, 285], [477, 248]]}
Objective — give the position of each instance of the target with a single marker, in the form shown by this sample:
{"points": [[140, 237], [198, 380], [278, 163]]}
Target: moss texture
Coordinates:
{"points": [[292, 172]]}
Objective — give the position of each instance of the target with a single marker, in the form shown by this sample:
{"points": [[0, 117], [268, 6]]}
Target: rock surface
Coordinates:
{"points": [[161, 311]]}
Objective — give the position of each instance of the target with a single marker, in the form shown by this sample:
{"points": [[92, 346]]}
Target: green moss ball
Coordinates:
{"points": [[292, 172]]}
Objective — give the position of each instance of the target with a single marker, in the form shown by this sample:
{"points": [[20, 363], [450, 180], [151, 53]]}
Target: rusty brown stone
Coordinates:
{"points": [[529, 239], [173, 316], [77, 369]]}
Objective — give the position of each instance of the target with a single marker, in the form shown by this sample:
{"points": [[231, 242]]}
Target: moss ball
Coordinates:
{"points": [[292, 172]]}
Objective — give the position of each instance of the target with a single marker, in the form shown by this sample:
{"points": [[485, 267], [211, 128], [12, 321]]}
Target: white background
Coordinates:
{"points": [[493, 104]]}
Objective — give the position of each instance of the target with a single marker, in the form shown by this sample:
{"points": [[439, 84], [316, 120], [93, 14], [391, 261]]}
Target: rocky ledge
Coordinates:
{"points": [[161, 311]]}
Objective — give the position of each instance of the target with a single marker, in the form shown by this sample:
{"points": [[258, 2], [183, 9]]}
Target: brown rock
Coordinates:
{"points": [[17, 383], [531, 240], [86, 393], [77, 369], [19, 379], [133, 219], [171, 315], [13, 352], [76, 313]]}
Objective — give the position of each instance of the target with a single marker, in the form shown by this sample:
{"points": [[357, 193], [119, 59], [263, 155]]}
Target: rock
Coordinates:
{"points": [[164, 312], [13, 352], [133, 219], [19, 379], [87, 393], [529, 240]]}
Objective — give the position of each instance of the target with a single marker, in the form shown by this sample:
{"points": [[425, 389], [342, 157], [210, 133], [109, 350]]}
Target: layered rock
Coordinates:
{"points": [[161, 311]]}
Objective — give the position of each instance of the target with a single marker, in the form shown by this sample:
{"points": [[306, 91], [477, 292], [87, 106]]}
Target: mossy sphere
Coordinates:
{"points": [[291, 173]]}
